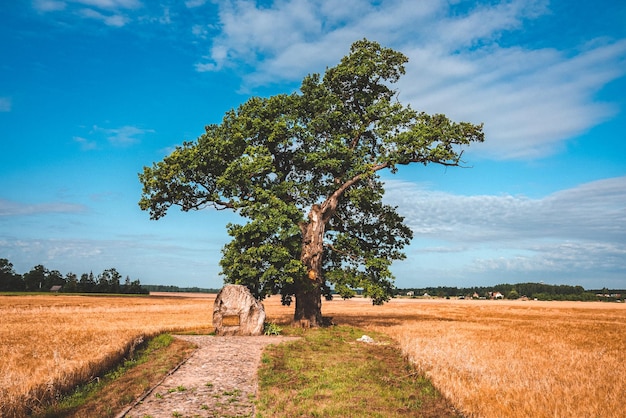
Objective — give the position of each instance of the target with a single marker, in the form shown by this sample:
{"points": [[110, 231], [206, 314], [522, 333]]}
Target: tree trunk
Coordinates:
{"points": [[309, 298], [308, 308]]}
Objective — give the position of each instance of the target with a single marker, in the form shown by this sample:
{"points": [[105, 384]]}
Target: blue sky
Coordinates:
{"points": [[93, 90]]}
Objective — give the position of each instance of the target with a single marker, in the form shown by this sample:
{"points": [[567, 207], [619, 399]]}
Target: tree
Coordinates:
{"points": [[104, 282], [71, 283], [35, 279], [9, 280], [87, 283], [114, 281], [53, 278], [304, 170]]}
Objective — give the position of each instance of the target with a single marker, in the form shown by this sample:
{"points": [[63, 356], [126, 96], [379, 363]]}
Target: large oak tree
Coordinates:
{"points": [[304, 170]]}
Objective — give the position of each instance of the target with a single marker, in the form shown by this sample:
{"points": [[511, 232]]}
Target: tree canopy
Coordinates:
{"points": [[304, 170]]}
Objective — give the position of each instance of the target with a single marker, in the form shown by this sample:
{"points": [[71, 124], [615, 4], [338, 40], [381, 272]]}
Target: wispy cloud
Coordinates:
{"points": [[117, 20], [11, 208], [123, 136], [594, 211], [530, 100], [150, 258], [194, 3], [49, 5], [573, 235], [565, 257], [5, 104], [97, 137], [110, 12], [110, 4], [85, 144]]}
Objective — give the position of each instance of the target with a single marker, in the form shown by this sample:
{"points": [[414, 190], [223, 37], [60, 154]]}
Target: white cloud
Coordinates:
{"points": [[594, 211], [110, 4], [58, 5], [558, 257], [5, 104], [105, 11], [49, 5], [203, 68], [576, 235], [153, 259], [85, 143], [123, 136], [531, 101], [10, 208], [194, 3], [116, 20]]}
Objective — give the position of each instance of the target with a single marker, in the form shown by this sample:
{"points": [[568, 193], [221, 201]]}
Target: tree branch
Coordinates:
{"points": [[330, 204], [346, 253]]}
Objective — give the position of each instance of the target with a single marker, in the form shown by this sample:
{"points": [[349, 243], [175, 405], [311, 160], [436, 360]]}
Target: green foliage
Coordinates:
{"points": [[10, 281], [306, 165], [270, 328]]}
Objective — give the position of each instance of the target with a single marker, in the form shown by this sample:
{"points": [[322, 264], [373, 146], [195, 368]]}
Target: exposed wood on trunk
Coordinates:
{"points": [[309, 302]]}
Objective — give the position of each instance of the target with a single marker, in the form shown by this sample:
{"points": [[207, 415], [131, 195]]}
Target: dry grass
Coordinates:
{"points": [[48, 344], [490, 358], [510, 358]]}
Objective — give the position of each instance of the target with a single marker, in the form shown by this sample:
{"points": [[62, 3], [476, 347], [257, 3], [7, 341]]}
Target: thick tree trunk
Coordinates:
{"points": [[308, 308], [309, 298]]}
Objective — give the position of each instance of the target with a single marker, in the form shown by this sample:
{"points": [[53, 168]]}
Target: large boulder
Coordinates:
{"points": [[237, 312]]}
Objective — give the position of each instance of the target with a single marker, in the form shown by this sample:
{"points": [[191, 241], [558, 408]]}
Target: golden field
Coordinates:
{"points": [[510, 358], [490, 358], [51, 343]]}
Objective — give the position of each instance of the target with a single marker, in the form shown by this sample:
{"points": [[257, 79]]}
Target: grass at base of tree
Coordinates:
{"points": [[328, 373], [120, 387]]}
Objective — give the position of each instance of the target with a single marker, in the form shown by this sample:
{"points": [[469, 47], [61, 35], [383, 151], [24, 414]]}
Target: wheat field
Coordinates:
{"points": [[510, 358], [50, 343], [490, 358]]}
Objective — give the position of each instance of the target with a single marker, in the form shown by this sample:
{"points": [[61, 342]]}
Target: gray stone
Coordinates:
{"points": [[237, 312]]}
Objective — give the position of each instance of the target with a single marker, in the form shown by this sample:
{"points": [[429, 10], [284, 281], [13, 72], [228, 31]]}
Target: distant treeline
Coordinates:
{"points": [[40, 279], [173, 289], [539, 291]]}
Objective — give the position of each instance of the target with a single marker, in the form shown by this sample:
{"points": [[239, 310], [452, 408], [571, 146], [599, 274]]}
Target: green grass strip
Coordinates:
{"points": [[328, 373]]}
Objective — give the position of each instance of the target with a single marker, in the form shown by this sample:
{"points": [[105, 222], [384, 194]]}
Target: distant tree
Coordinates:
{"points": [[126, 284], [136, 288], [304, 170], [53, 278], [114, 281], [34, 280], [87, 283], [71, 283], [103, 283], [9, 279]]}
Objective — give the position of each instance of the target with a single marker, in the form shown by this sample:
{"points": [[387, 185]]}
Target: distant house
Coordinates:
{"points": [[56, 288], [410, 293], [497, 295]]}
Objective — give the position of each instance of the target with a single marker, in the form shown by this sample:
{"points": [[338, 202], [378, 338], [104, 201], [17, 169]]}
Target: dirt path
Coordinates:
{"points": [[218, 380]]}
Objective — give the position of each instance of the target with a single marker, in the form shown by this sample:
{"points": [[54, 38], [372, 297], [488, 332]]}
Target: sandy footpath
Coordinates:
{"points": [[218, 380]]}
